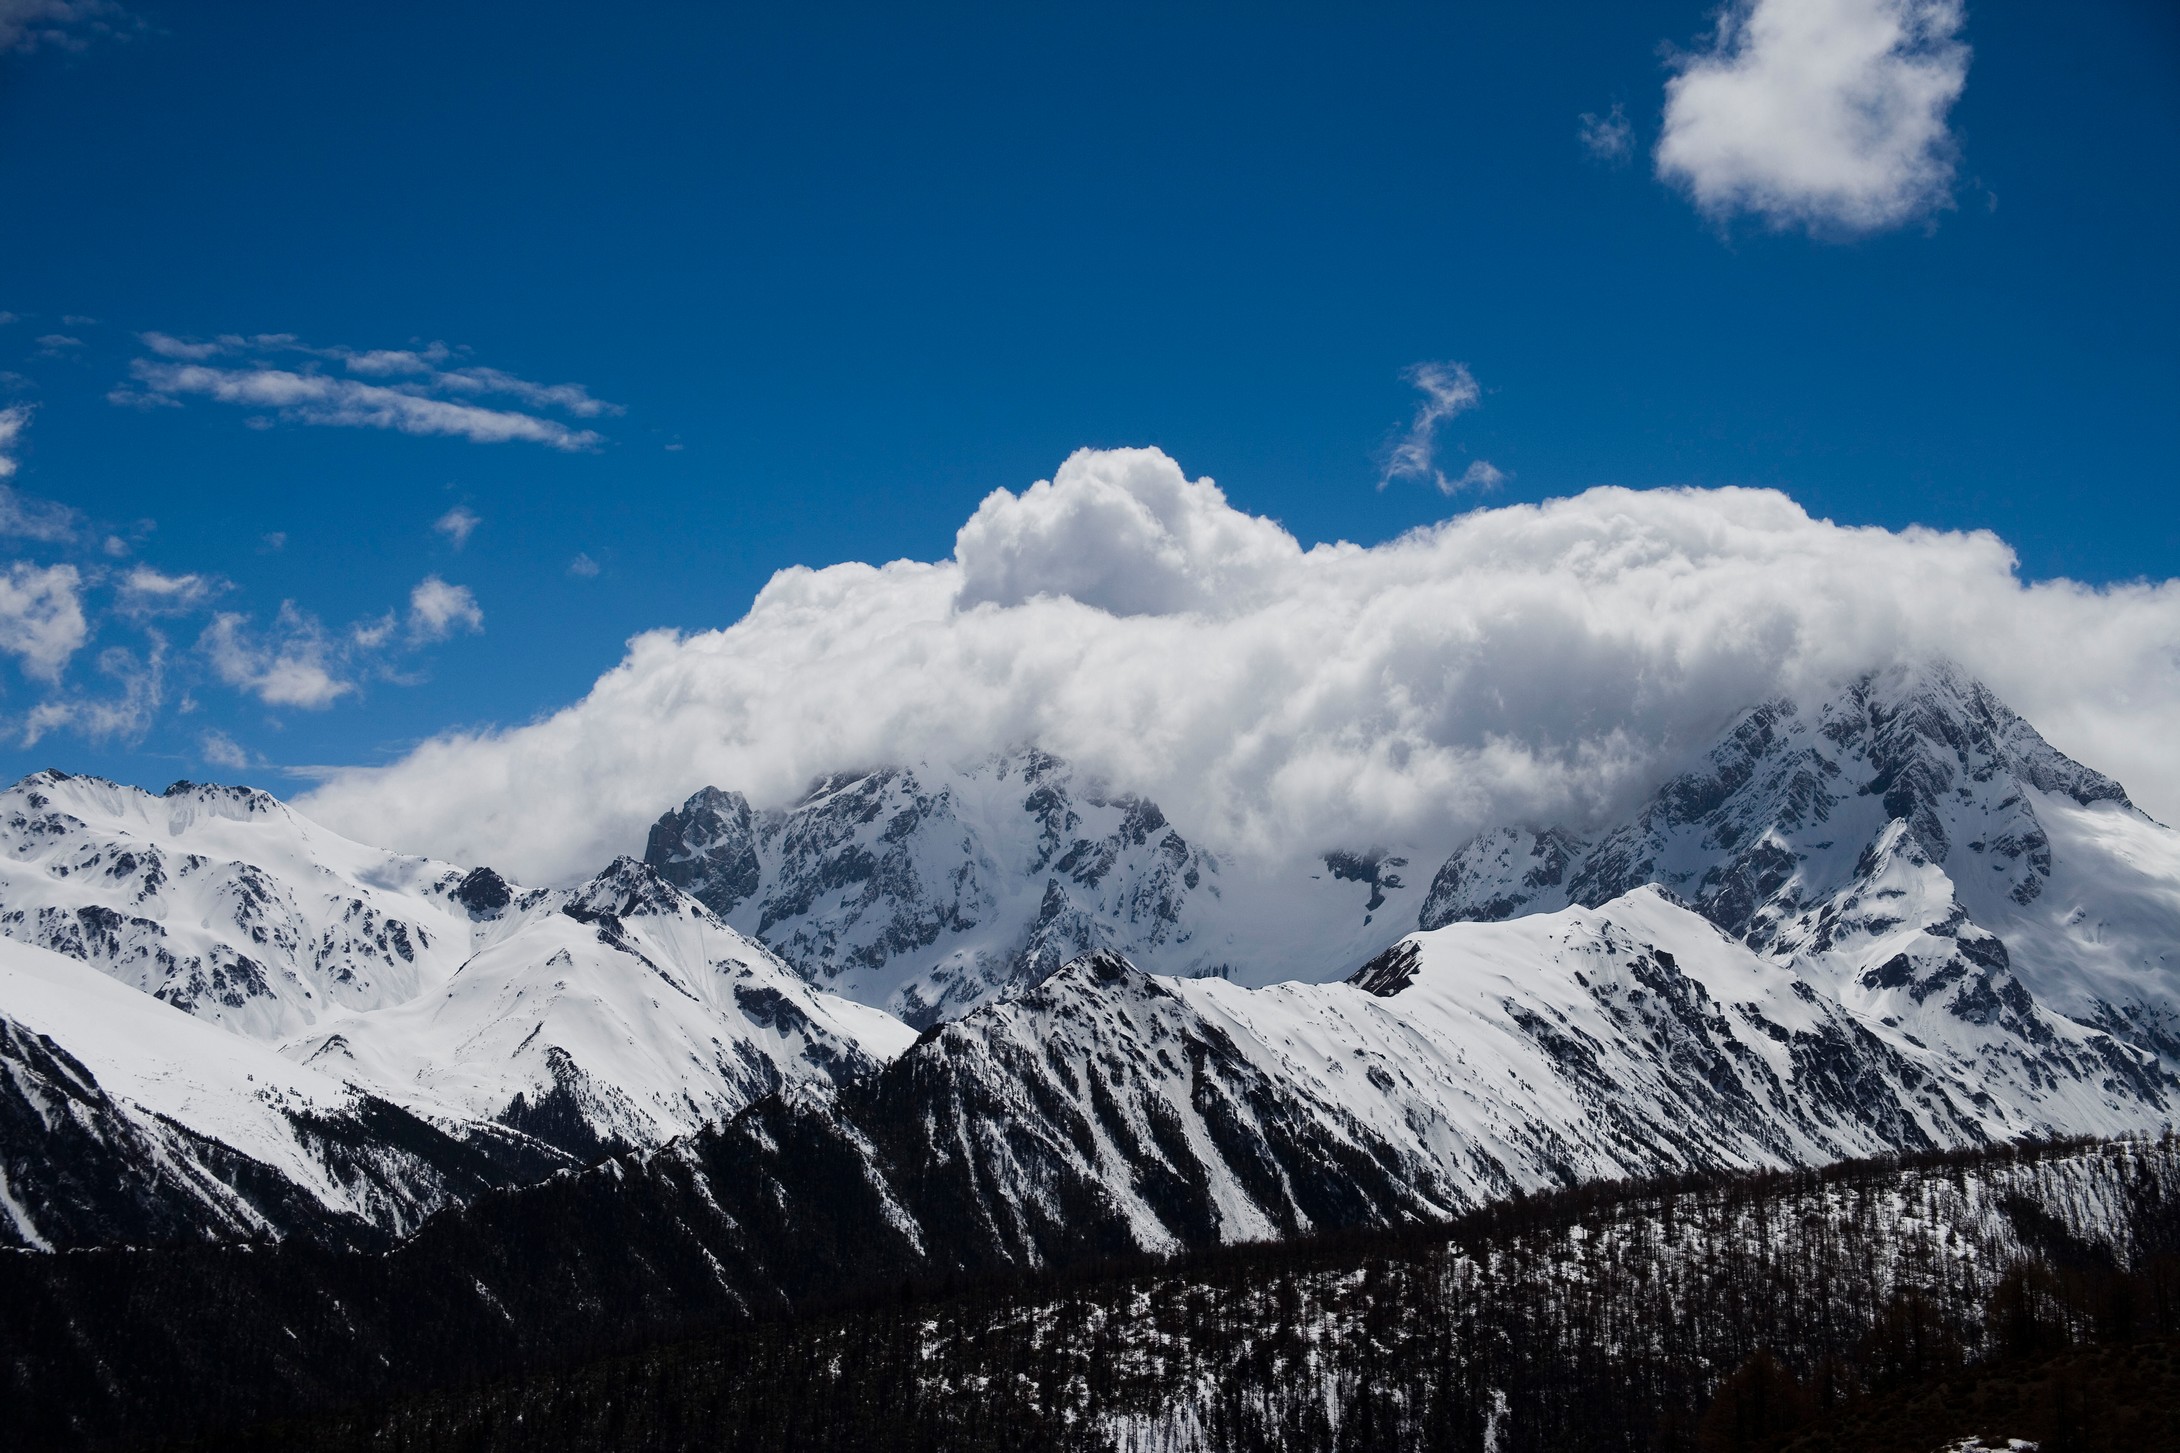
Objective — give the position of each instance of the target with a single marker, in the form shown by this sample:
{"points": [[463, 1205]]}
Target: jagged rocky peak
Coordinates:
{"points": [[708, 847], [627, 887], [1378, 869], [483, 892], [927, 887]]}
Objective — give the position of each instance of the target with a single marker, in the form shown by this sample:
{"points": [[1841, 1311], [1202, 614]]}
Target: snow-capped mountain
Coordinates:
{"points": [[930, 889], [415, 1003], [1898, 919], [1912, 846]]}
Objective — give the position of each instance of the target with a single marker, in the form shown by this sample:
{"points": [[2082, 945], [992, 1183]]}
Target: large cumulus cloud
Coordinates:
{"points": [[1533, 662]]}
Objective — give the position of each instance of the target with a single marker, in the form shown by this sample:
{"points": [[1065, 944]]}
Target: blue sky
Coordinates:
{"points": [[824, 277]]}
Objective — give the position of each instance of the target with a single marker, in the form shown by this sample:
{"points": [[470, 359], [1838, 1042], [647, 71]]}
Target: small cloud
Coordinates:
{"points": [[1607, 138], [1825, 114], [675, 448], [41, 617], [1481, 475], [582, 567], [77, 320], [115, 547], [458, 524], [1448, 389], [437, 610], [62, 24], [27, 517], [221, 750], [294, 665], [168, 346], [7, 318], [371, 634], [56, 345], [272, 542], [145, 593]]}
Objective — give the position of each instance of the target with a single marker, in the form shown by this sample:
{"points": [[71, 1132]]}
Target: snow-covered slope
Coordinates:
{"points": [[123, 1118], [1911, 844], [622, 1014], [929, 889]]}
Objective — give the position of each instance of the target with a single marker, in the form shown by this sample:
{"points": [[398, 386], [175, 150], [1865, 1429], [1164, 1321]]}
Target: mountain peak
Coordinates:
{"points": [[930, 888]]}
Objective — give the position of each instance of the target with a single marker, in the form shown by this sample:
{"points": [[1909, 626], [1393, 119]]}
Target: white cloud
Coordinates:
{"points": [[582, 567], [1826, 114], [1122, 530], [1531, 662], [278, 371], [221, 750], [41, 617], [1448, 389], [145, 592], [295, 664], [1608, 137], [437, 610], [458, 524]]}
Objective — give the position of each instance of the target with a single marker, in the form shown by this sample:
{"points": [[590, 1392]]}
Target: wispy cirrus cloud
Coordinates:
{"points": [[1829, 115], [1448, 390], [425, 391]]}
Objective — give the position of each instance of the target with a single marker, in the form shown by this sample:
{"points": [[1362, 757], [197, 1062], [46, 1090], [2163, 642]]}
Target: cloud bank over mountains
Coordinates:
{"points": [[1531, 662]]}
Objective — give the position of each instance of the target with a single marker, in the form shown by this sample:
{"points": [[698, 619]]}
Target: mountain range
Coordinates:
{"points": [[1007, 1014]]}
